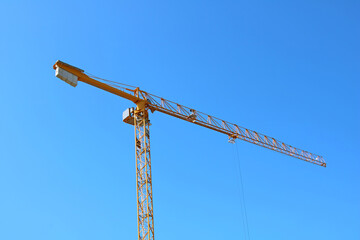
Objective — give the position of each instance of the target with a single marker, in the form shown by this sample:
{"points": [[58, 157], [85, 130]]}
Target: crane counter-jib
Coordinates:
{"points": [[81, 76]]}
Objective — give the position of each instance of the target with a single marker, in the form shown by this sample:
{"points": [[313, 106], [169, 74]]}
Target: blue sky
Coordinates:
{"points": [[288, 69]]}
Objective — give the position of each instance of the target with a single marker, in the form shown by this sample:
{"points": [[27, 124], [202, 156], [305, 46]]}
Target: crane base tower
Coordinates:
{"points": [[139, 117]]}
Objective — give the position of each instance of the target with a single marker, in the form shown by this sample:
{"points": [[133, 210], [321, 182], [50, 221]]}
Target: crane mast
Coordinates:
{"points": [[143, 174], [139, 117]]}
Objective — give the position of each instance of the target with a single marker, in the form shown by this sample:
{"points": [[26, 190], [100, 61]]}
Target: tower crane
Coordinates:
{"points": [[139, 117]]}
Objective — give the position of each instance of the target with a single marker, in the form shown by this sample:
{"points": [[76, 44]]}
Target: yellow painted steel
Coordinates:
{"points": [[86, 79], [143, 176], [145, 101]]}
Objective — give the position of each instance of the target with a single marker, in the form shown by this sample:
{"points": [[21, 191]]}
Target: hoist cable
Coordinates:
{"points": [[242, 193]]}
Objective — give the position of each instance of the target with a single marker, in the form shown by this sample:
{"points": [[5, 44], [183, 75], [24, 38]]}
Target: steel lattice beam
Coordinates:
{"points": [[145, 101], [143, 176]]}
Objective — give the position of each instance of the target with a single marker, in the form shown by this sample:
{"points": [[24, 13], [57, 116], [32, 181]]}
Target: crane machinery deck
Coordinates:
{"points": [[139, 117]]}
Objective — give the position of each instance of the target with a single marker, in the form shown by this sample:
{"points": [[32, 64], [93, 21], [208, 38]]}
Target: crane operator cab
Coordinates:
{"points": [[128, 116]]}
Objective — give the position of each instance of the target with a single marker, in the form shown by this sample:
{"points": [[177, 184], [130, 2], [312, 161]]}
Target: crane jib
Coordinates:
{"points": [[71, 74]]}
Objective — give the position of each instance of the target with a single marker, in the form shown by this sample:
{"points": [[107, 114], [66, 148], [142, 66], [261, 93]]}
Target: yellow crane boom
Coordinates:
{"points": [[139, 118]]}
